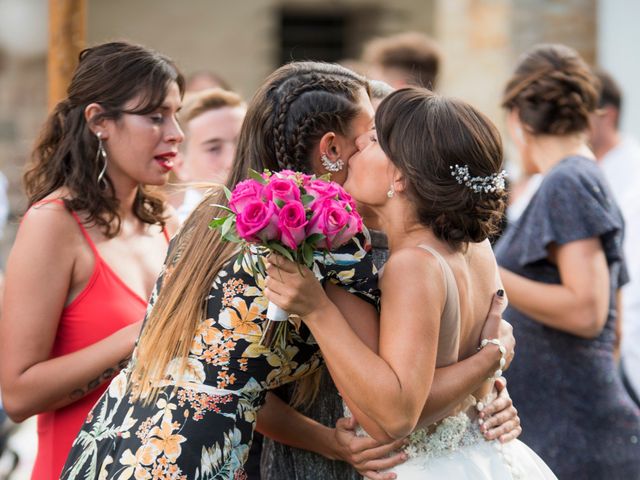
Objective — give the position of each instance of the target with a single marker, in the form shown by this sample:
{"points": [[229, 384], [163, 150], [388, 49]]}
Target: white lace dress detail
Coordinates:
{"points": [[449, 435]]}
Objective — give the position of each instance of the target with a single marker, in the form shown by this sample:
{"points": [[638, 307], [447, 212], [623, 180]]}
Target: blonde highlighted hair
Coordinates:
{"points": [[274, 136]]}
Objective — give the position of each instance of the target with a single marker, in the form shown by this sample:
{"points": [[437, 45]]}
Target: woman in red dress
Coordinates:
{"points": [[91, 244]]}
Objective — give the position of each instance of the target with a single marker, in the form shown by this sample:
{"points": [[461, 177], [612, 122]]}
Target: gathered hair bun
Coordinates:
{"points": [[553, 90], [448, 153]]}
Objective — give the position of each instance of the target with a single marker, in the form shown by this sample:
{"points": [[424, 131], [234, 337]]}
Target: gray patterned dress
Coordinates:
{"points": [[575, 412]]}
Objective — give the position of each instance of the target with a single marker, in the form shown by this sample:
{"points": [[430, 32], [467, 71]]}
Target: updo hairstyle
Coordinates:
{"points": [[425, 135], [553, 91]]}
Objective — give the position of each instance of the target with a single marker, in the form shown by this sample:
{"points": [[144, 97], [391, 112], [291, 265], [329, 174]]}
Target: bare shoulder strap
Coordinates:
{"points": [[85, 234], [449, 338]]}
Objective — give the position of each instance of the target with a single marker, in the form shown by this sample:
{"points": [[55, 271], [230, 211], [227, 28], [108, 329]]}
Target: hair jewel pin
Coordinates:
{"points": [[491, 183]]}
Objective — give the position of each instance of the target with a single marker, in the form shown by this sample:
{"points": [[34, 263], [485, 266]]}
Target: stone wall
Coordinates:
{"points": [[480, 38]]}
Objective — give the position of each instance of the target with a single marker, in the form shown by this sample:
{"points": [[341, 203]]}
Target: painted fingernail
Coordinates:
{"points": [[500, 293], [480, 406], [480, 421]]}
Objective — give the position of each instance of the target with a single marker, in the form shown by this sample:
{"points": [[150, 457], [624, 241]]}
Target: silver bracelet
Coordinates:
{"points": [[503, 355]]}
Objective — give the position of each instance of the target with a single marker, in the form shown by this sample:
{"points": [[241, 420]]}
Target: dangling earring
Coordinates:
{"points": [[101, 153], [331, 166], [391, 191]]}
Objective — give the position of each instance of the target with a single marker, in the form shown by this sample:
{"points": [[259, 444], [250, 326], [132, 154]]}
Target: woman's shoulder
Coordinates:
{"points": [[49, 215], [412, 264], [574, 170], [49, 231]]}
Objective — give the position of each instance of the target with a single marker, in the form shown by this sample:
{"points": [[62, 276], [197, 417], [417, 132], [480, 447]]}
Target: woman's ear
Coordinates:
{"points": [[399, 181], [95, 121], [330, 146], [514, 125]]}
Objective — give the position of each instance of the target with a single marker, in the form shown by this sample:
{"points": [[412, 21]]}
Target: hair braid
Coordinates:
{"points": [[306, 131], [311, 83]]}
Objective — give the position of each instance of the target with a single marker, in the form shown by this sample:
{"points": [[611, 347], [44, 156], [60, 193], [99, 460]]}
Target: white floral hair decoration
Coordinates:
{"points": [[491, 183]]}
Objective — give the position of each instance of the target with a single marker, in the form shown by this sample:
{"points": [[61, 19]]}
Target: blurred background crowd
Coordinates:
{"points": [[465, 48]]}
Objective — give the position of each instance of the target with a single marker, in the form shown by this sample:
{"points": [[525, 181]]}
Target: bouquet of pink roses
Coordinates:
{"points": [[289, 213]]}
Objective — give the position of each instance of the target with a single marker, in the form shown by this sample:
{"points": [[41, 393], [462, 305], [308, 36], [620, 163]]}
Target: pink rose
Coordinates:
{"points": [[258, 221], [321, 189], [292, 223], [286, 174], [244, 192], [354, 225], [333, 219], [283, 189]]}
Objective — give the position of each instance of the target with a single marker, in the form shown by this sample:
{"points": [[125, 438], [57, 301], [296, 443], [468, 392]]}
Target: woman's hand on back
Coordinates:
{"points": [[496, 327], [366, 455], [500, 418]]}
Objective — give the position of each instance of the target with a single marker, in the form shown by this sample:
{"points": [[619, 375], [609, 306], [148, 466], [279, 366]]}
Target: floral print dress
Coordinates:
{"points": [[201, 427]]}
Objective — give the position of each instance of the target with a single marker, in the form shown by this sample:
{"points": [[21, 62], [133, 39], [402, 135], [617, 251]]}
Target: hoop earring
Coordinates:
{"points": [[391, 191], [101, 153], [331, 166]]}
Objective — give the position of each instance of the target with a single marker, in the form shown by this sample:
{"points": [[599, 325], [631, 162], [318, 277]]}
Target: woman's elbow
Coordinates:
{"points": [[400, 425], [588, 322], [397, 430], [14, 408]]}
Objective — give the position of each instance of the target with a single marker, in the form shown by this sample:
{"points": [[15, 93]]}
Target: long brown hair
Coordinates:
{"points": [[110, 74], [287, 116]]}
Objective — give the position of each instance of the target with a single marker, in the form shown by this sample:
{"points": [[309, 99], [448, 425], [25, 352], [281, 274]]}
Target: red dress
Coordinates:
{"points": [[105, 306]]}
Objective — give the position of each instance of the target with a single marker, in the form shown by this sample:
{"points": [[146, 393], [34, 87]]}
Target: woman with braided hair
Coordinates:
{"points": [[562, 266], [186, 407]]}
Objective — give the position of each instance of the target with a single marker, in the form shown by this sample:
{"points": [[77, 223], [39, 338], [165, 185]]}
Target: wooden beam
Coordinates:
{"points": [[67, 38]]}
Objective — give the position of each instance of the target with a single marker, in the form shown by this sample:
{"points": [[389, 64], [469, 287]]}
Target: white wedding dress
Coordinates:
{"points": [[454, 448]]}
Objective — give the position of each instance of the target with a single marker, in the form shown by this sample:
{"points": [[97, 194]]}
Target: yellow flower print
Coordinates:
{"points": [[345, 277], [193, 370], [166, 441], [136, 464], [205, 336], [240, 318]]}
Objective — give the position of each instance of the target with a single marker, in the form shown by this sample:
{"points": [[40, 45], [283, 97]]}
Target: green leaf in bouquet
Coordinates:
{"points": [[307, 199], [226, 226], [261, 266], [326, 177], [307, 254], [222, 207], [217, 222], [227, 192], [279, 202], [257, 176], [232, 237], [276, 247], [313, 239]]}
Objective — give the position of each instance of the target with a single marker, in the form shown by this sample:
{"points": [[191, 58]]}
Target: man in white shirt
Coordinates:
{"points": [[619, 157]]}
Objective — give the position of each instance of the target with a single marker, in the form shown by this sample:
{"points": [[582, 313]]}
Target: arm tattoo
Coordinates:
{"points": [[109, 373]]}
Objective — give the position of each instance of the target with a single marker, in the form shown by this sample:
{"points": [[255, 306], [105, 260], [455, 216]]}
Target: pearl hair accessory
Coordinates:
{"points": [[503, 355], [490, 183]]}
